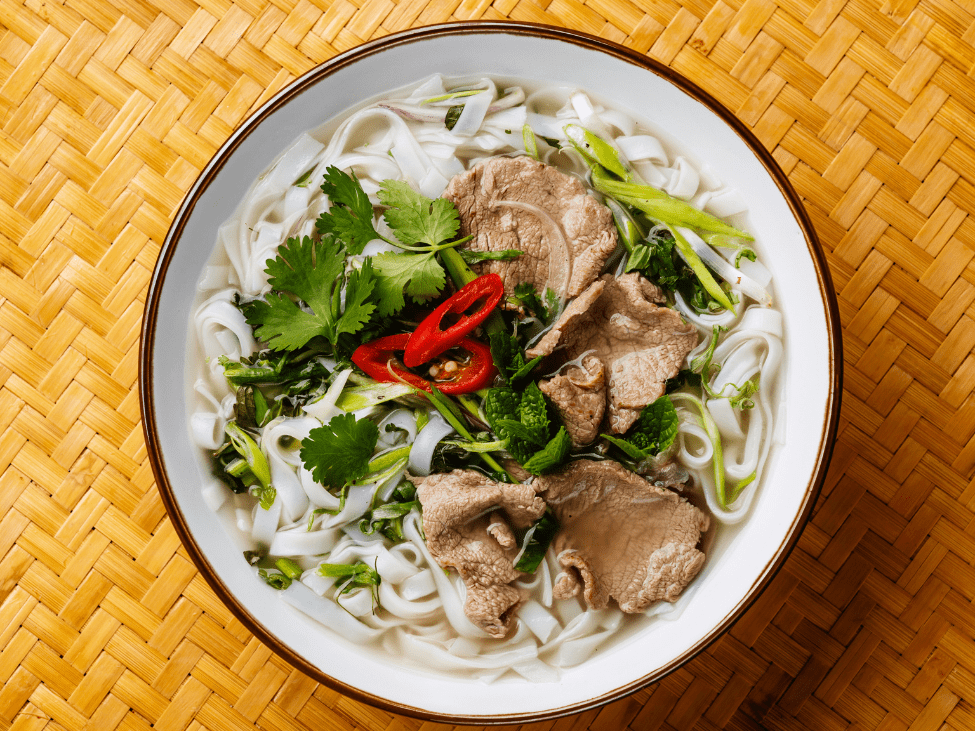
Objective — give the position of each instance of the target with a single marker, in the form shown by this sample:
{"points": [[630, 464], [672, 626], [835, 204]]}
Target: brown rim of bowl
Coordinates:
{"points": [[510, 28]]}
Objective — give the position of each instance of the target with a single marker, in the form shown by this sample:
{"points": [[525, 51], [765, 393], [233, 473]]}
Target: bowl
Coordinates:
{"points": [[742, 561]]}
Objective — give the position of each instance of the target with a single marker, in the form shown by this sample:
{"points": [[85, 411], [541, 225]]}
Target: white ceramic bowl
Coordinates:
{"points": [[743, 559]]}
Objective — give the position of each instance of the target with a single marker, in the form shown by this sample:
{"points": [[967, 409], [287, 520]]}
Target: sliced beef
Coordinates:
{"points": [[467, 519], [620, 536], [579, 394], [520, 203], [640, 344]]}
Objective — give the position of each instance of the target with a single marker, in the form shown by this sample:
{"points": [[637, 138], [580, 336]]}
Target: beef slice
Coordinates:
{"points": [[621, 537], [468, 520], [565, 234], [639, 343]]}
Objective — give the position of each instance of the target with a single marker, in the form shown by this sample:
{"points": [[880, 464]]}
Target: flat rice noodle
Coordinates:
{"points": [[403, 607], [726, 202], [324, 409], [265, 522], [475, 109], [302, 542], [296, 160], [418, 586], [453, 602], [638, 148], [684, 180], [328, 613], [358, 602], [538, 619]]}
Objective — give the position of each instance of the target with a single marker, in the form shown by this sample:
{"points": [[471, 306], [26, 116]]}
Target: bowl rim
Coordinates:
{"points": [[590, 42]]}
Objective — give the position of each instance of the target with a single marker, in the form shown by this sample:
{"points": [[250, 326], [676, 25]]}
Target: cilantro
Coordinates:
{"points": [[349, 216], [418, 275], [313, 272], [653, 432], [338, 452], [416, 218]]}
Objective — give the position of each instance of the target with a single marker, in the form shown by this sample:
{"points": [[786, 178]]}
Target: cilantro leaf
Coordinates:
{"points": [[313, 272], [416, 218], [339, 452], [349, 217], [418, 275]]}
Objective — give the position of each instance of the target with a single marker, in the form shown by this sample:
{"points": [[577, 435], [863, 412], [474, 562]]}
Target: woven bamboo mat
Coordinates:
{"points": [[109, 110]]}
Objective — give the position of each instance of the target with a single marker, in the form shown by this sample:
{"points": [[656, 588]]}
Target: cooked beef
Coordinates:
{"points": [[579, 394], [620, 536], [640, 344], [467, 519], [520, 203]]}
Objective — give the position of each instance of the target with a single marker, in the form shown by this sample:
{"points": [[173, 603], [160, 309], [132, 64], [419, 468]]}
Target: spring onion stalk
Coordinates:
{"points": [[476, 447], [247, 448], [711, 429], [690, 256], [355, 398], [449, 411], [660, 206], [629, 232], [531, 145], [596, 151], [387, 459], [722, 267]]}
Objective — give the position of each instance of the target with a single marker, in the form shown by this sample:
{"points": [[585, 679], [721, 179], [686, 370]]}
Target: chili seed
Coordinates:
{"points": [[434, 371], [450, 366]]}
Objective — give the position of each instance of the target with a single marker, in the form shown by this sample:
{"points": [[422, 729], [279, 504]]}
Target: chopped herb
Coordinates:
{"points": [[535, 542], [453, 114]]}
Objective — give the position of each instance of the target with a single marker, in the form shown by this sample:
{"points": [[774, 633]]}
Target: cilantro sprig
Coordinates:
{"points": [[314, 273]]}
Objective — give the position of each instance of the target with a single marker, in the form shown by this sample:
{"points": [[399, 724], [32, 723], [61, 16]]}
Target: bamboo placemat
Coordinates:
{"points": [[110, 109]]}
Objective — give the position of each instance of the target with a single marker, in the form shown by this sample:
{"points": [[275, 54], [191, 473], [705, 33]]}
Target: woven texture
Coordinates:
{"points": [[108, 111]]}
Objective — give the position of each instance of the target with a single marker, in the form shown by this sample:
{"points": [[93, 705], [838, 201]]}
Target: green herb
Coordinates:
{"points": [[387, 518], [416, 218], [551, 455], [527, 296], [653, 432], [419, 275], [275, 580], [509, 357], [453, 114], [535, 542], [305, 179], [521, 421], [743, 398], [350, 214], [339, 452], [312, 271]]}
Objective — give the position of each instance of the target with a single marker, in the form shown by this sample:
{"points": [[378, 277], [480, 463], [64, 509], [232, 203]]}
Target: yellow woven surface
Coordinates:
{"points": [[109, 110]]}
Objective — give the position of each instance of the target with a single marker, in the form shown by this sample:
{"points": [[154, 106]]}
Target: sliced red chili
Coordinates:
{"points": [[431, 338], [473, 367]]}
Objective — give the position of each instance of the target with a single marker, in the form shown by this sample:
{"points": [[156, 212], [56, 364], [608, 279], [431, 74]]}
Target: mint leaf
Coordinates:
{"points": [[654, 430], [418, 275], [349, 217], [552, 455], [339, 452], [416, 218]]}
